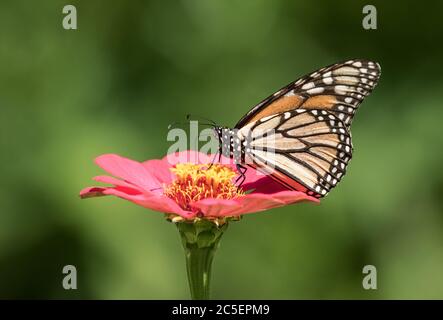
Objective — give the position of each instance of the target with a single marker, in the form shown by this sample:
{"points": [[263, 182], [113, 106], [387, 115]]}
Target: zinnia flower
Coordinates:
{"points": [[191, 189], [198, 194]]}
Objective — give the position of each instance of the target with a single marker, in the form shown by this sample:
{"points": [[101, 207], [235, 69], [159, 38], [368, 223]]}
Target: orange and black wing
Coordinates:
{"points": [[304, 150], [338, 88]]}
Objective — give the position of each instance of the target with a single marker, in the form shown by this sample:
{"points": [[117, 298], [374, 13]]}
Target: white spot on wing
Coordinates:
{"points": [[328, 80], [307, 86], [315, 90], [340, 89]]}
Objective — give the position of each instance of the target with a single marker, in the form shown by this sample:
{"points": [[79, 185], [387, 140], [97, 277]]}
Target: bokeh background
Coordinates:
{"points": [[133, 67]]}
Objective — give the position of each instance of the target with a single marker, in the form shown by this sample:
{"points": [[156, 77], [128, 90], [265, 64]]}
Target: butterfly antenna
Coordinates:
{"points": [[177, 124], [184, 124], [210, 122]]}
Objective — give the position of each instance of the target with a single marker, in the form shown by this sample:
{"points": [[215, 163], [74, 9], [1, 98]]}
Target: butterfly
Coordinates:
{"points": [[300, 135]]}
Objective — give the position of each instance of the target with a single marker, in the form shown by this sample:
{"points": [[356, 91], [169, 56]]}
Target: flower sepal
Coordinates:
{"points": [[201, 233]]}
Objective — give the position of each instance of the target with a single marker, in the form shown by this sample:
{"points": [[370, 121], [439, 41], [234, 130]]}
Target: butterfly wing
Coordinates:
{"points": [[305, 150], [338, 89]]}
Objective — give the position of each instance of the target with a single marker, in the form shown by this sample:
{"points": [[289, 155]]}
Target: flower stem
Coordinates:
{"points": [[198, 264], [200, 240]]}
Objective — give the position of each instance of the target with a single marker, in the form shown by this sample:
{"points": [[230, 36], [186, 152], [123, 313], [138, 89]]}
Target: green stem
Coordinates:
{"points": [[200, 241], [198, 264]]}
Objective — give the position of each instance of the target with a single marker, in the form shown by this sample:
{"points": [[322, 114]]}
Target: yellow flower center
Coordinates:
{"points": [[201, 181]]}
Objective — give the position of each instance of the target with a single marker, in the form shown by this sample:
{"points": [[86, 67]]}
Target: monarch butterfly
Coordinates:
{"points": [[301, 135]]}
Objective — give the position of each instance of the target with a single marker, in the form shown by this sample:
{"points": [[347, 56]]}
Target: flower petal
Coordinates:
{"points": [[250, 203], [91, 192], [258, 181], [188, 156], [100, 191], [262, 184], [211, 207], [129, 170], [191, 156], [117, 182], [160, 170], [157, 203], [153, 202]]}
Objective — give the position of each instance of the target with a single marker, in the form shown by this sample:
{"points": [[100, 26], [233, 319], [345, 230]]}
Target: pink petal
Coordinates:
{"points": [[90, 192], [191, 156], [100, 191], [129, 170], [117, 182], [262, 184], [250, 203], [154, 202], [160, 170], [217, 207], [158, 203], [188, 156], [268, 201]]}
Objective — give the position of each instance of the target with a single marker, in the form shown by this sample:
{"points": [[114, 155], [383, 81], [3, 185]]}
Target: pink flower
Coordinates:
{"points": [[186, 185]]}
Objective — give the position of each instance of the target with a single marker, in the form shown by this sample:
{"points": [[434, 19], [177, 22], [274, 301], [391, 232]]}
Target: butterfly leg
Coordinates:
{"points": [[213, 159], [242, 177]]}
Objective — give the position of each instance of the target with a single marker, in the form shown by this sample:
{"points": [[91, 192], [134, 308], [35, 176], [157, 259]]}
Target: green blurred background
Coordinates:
{"points": [[133, 67]]}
